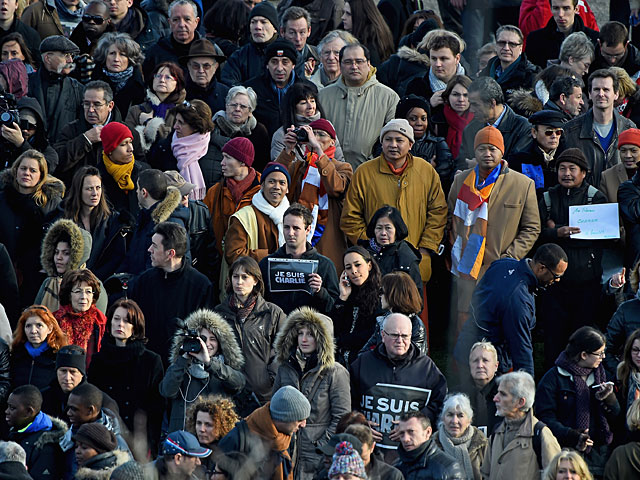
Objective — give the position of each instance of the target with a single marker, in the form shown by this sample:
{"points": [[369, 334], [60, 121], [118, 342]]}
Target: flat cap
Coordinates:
{"points": [[58, 43]]}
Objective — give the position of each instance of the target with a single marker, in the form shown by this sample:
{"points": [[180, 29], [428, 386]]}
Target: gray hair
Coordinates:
{"points": [[12, 452], [101, 85], [343, 35], [578, 46], [294, 13], [510, 28], [177, 3], [453, 402], [125, 44], [520, 385], [488, 89], [240, 90]]}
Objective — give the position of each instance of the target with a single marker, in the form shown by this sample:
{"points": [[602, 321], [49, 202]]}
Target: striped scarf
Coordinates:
{"points": [[313, 195], [471, 214]]}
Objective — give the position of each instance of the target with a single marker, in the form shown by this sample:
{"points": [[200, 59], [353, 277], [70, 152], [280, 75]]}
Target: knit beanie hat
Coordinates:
{"points": [[97, 436], [275, 167], [573, 155], [67, 357], [266, 10], [347, 461], [281, 48], [128, 471], [490, 135], [325, 126], [399, 125], [409, 102], [112, 134], [288, 404], [241, 149], [630, 136]]}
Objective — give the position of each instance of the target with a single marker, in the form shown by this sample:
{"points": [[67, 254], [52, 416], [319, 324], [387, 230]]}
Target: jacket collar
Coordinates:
{"points": [[383, 166]]}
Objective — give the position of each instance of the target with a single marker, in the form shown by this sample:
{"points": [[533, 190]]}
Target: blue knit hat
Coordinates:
{"points": [[275, 167], [347, 460]]}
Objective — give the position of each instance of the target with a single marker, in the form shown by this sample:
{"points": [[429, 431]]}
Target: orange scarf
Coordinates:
{"points": [[260, 423]]}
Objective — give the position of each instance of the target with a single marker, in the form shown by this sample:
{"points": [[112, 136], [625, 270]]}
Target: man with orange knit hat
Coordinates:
{"points": [[493, 214]]}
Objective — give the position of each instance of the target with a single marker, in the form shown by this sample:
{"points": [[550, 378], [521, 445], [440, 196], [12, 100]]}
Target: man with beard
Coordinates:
{"points": [[95, 22]]}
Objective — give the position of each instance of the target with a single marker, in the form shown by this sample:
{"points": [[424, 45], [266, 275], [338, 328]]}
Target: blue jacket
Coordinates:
{"points": [[503, 311]]}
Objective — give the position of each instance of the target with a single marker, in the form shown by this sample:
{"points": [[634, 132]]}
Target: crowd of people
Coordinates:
{"points": [[319, 239]]}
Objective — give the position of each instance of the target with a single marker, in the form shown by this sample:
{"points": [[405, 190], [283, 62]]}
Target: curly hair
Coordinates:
{"points": [[221, 409], [56, 339], [74, 277]]}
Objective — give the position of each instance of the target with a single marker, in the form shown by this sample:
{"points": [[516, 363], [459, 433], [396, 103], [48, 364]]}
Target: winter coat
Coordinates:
{"points": [[236, 240], [611, 180], [223, 374], [164, 298], [403, 68], [325, 16], [436, 149], [25, 369], [521, 75], [531, 163], [629, 205], [54, 400], [623, 323], [557, 403], [204, 256], [323, 381], [431, 464], [60, 97], [79, 37], [477, 449], [102, 465], [125, 202], [513, 222], [482, 404], [399, 256], [44, 457], [358, 114], [31, 38], [9, 298], [12, 470], [277, 143], [164, 48], [335, 176], [414, 370], [149, 29], [222, 206], [256, 336], [353, 328], [214, 94], [418, 334], [535, 14], [501, 461], [544, 44], [322, 301], [579, 133], [515, 130], [43, 18], [631, 62], [420, 201], [135, 385], [245, 63], [132, 93], [624, 462], [5, 375], [109, 238]]}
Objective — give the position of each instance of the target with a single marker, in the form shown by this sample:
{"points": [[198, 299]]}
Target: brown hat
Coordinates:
{"points": [[174, 179], [490, 135], [97, 436], [204, 48], [573, 155]]}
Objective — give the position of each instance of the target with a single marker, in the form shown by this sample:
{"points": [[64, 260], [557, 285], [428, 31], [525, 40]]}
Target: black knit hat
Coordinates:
{"points": [[281, 48], [72, 356], [573, 155], [408, 102], [266, 10], [97, 436]]}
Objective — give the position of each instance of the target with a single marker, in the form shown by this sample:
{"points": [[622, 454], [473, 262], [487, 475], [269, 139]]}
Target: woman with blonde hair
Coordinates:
{"points": [[36, 341], [567, 464], [623, 462], [628, 102]]}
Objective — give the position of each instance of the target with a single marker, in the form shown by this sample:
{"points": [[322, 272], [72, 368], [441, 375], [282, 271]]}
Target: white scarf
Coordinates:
{"points": [[437, 84], [274, 213]]}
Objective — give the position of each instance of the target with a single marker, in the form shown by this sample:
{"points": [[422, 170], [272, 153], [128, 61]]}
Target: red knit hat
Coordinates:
{"points": [[629, 137], [112, 134], [241, 149], [325, 126]]}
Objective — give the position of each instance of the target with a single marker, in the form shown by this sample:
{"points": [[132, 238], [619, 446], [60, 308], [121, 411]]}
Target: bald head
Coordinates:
{"points": [[396, 335]]}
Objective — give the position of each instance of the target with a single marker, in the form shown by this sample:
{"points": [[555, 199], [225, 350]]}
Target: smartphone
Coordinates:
{"points": [[603, 384]]}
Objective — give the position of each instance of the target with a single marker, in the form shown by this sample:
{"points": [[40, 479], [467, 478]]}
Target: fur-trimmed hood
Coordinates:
{"points": [[217, 325], [321, 328], [104, 464], [163, 209], [53, 189], [80, 246], [54, 435], [524, 102], [414, 56]]}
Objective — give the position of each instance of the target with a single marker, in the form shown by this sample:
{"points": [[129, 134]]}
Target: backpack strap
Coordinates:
{"points": [[537, 441]]}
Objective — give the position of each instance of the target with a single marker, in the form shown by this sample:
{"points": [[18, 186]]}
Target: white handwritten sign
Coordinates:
{"points": [[596, 222]]}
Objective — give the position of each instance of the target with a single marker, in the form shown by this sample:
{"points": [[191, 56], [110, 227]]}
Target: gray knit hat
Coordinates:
{"points": [[128, 471], [399, 125], [289, 405]]}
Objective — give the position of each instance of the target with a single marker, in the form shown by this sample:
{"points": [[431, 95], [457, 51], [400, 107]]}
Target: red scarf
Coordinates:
{"points": [[456, 126], [79, 326], [397, 171], [238, 188]]}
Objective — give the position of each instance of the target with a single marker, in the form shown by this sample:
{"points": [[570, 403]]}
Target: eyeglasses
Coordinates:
{"points": [[635, 351], [511, 45], [358, 61], [330, 53], [80, 291], [159, 76], [599, 355], [200, 66], [558, 132], [97, 19], [398, 336], [95, 105], [613, 55], [556, 277], [242, 107]]}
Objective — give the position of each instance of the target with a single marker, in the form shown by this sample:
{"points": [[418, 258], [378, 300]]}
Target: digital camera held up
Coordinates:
{"points": [[191, 343]]}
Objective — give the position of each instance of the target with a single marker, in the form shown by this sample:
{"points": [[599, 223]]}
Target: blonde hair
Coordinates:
{"points": [[633, 415], [484, 344], [577, 462], [626, 86], [39, 196]]}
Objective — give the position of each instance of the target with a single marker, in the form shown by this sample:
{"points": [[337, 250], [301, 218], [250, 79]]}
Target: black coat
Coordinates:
{"points": [[204, 255], [259, 137], [429, 147], [166, 49], [352, 328], [522, 75], [404, 72], [631, 63], [124, 202], [132, 93], [109, 242], [39, 371], [398, 257], [9, 297], [629, 204], [147, 29], [245, 63], [54, 400], [531, 162], [5, 375], [43, 451], [428, 462], [623, 323], [484, 408], [213, 95], [31, 38]]}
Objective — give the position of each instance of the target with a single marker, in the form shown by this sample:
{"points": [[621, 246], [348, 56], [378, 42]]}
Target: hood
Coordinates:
{"points": [[321, 328], [80, 246], [33, 104], [15, 72], [217, 325], [52, 436], [414, 56], [101, 466], [524, 102], [163, 209], [53, 188]]}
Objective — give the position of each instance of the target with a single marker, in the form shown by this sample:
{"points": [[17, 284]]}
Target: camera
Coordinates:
{"points": [[8, 110], [301, 135], [191, 343]]}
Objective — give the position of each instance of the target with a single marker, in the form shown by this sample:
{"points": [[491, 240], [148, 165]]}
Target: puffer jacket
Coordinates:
{"points": [[358, 114], [102, 465], [323, 381], [223, 375], [256, 336], [623, 323]]}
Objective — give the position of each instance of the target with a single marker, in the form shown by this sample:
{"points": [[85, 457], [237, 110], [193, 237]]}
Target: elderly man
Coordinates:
{"points": [[357, 104], [247, 62], [493, 214], [511, 447], [486, 101], [329, 50], [202, 63], [395, 372], [143, 27], [596, 132], [612, 178], [403, 181], [60, 95], [503, 307], [565, 96]]}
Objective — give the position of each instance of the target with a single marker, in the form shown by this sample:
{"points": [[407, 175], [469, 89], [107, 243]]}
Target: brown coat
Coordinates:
{"points": [[237, 239], [222, 206], [43, 19], [336, 177], [611, 180]]}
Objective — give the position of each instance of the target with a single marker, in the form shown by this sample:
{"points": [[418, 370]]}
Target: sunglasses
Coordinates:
{"points": [[97, 19], [557, 132]]}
